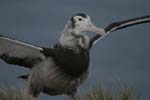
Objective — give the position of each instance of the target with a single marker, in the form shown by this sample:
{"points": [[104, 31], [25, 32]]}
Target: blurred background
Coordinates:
{"points": [[122, 57]]}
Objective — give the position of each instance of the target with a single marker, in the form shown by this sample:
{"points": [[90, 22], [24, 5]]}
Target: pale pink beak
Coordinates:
{"points": [[93, 28]]}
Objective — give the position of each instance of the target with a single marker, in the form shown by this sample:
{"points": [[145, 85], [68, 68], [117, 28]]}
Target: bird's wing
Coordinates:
{"points": [[19, 53], [120, 25]]}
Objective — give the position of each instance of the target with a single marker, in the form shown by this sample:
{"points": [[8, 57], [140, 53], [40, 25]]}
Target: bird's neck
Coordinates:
{"points": [[74, 41]]}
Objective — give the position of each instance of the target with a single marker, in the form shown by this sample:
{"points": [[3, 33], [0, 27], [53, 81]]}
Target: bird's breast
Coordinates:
{"points": [[72, 63]]}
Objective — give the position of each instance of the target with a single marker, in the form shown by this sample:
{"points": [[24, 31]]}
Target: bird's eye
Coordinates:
{"points": [[80, 19]]}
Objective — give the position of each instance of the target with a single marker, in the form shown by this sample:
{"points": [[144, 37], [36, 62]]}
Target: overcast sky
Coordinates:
{"points": [[123, 57]]}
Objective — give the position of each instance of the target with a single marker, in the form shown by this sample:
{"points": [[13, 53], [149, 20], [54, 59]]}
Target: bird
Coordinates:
{"points": [[62, 68], [57, 70]]}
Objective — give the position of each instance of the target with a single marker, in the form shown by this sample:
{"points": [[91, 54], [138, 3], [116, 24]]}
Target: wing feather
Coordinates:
{"points": [[120, 25], [19, 53]]}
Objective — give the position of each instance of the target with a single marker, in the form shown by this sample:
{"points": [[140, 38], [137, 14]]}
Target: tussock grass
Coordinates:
{"points": [[124, 93], [127, 93], [11, 93], [100, 93]]}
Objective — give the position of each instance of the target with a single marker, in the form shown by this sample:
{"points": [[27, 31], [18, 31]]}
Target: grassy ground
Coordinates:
{"points": [[125, 93], [11, 93]]}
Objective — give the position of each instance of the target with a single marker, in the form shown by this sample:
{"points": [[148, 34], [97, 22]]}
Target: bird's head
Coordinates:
{"points": [[73, 35], [81, 23]]}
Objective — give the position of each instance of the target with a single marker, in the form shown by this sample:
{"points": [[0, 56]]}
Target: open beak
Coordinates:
{"points": [[93, 28]]}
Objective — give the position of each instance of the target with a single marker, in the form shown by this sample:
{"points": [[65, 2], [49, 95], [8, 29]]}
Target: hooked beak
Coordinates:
{"points": [[93, 28]]}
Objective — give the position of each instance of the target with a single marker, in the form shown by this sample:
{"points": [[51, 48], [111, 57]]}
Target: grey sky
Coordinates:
{"points": [[121, 57]]}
